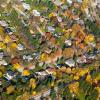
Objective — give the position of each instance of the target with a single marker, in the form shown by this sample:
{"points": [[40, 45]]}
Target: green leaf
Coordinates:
{"points": [[87, 87], [13, 17], [94, 74], [94, 94], [67, 94], [53, 94], [81, 95], [93, 27], [29, 1]]}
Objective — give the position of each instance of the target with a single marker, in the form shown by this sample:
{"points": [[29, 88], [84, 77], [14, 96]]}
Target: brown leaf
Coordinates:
{"points": [[68, 52]]}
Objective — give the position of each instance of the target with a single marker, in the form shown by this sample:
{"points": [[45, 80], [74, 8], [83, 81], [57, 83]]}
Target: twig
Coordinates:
{"points": [[22, 13], [38, 28], [19, 11], [8, 1]]}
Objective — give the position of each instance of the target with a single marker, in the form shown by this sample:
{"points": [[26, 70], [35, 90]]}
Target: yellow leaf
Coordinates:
{"points": [[54, 73], [33, 86], [84, 5], [2, 68], [73, 34], [88, 78], [10, 89], [52, 84], [19, 97], [26, 96], [98, 77], [44, 57], [26, 73], [51, 14], [34, 93], [1, 74], [1, 30], [83, 72], [7, 39], [89, 38], [2, 45], [32, 83], [76, 77], [32, 80], [98, 89], [74, 87], [13, 45], [16, 66], [68, 70]]}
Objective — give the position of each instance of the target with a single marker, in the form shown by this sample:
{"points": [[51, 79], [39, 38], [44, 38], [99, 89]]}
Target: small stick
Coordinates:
{"points": [[19, 11], [8, 1], [38, 28]]}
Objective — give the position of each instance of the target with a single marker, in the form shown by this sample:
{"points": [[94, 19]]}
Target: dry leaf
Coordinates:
{"points": [[68, 52]]}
